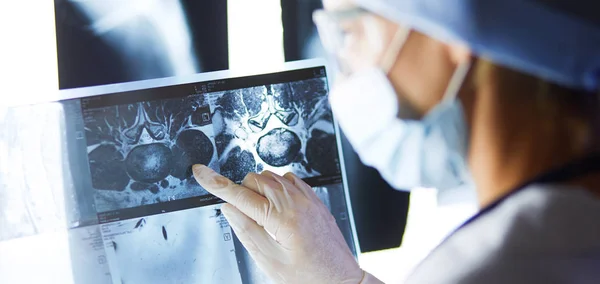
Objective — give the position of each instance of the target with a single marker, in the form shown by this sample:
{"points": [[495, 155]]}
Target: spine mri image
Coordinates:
{"points": [[141, 153], [282, 128]]}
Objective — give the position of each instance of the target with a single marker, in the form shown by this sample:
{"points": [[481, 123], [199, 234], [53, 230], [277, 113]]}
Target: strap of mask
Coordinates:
{"points": [[456, 82], [391, 54]]}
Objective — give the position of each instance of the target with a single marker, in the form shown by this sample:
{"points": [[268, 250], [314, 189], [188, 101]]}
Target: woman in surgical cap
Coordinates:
{"points": [[501, 93]]}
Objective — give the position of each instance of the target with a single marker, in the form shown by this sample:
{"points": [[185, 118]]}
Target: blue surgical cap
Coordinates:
{"points": [[556, 40]]}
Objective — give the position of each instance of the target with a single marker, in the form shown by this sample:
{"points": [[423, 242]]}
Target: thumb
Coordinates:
{"points": [[260, 245]]}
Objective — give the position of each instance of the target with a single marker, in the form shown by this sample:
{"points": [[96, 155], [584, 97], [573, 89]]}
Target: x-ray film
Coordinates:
{"points": [[190, 246], [283, 128], [142, 153], [133, 211]]}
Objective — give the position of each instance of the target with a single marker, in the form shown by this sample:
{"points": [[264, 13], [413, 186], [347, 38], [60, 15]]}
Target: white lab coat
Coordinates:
{"points": [[541, 234]]}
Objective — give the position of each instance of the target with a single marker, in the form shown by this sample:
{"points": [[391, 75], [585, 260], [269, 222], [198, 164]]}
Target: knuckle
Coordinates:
{"points": [[249, 177], [241, 197]]}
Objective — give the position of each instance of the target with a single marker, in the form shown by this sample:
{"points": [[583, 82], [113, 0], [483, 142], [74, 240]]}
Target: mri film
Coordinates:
{"points": [[188, 246], [142, 153], [284, 127]]}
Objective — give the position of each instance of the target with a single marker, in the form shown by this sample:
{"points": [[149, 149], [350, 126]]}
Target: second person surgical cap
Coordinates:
{"points": [[556, 40]]}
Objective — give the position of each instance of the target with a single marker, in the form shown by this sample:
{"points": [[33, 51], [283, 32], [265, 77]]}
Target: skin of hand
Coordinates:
{"points": [[286, 229]]}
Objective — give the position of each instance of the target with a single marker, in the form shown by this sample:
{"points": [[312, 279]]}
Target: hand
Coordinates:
{"points": [[287, 230]]}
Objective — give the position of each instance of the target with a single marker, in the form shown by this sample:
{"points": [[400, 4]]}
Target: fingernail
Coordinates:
{"points": [[208, 178]]}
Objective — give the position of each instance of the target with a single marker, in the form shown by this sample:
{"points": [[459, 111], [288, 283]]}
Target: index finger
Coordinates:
{"points": [[246, 200]]}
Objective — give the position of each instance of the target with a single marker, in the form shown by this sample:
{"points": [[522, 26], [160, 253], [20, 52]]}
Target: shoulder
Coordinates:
{"points": [[542, 234]]}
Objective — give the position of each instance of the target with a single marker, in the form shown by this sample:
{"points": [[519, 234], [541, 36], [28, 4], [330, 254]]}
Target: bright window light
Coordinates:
{"points": [[255, 36], [28, 67]]}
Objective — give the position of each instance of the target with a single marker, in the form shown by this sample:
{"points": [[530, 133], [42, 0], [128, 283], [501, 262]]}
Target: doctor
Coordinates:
{"points": [[502, 93]]}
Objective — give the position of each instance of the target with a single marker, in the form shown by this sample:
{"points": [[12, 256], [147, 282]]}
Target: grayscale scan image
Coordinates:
{"points": [[189, 246], [128, 40], [323, 194], [283, 128], [142, 153]]}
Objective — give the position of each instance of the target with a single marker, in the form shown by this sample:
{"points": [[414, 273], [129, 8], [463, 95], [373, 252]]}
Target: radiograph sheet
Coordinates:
{"points": [[34, 191], [142, 153], [88, 256], [282, 128], [190, 246]]}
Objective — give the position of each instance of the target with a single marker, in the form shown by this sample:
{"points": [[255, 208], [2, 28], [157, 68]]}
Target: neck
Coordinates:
{"points": [[511, 144]]}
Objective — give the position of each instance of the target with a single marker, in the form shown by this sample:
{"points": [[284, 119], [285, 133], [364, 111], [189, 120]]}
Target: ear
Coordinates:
{"points": [[459, 53]]}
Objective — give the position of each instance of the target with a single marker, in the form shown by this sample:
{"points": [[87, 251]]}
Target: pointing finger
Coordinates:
{"points": [[246, 200]]}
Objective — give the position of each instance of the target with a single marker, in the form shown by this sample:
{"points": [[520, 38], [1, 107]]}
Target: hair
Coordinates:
{"points": [[577, 110]]}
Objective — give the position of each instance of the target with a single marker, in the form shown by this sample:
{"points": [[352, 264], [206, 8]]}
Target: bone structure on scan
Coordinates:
{"points": [[281, 127], [142, 153]]}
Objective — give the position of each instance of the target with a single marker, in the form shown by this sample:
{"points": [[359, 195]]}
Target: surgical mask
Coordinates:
{"points": [[430, 152]]}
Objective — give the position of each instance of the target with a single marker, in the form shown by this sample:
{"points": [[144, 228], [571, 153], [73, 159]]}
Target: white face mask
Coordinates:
{"points": [[430, 152]]}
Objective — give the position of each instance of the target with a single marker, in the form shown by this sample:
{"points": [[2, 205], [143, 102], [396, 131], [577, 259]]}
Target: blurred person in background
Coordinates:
{"points": [[503, 94]]}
